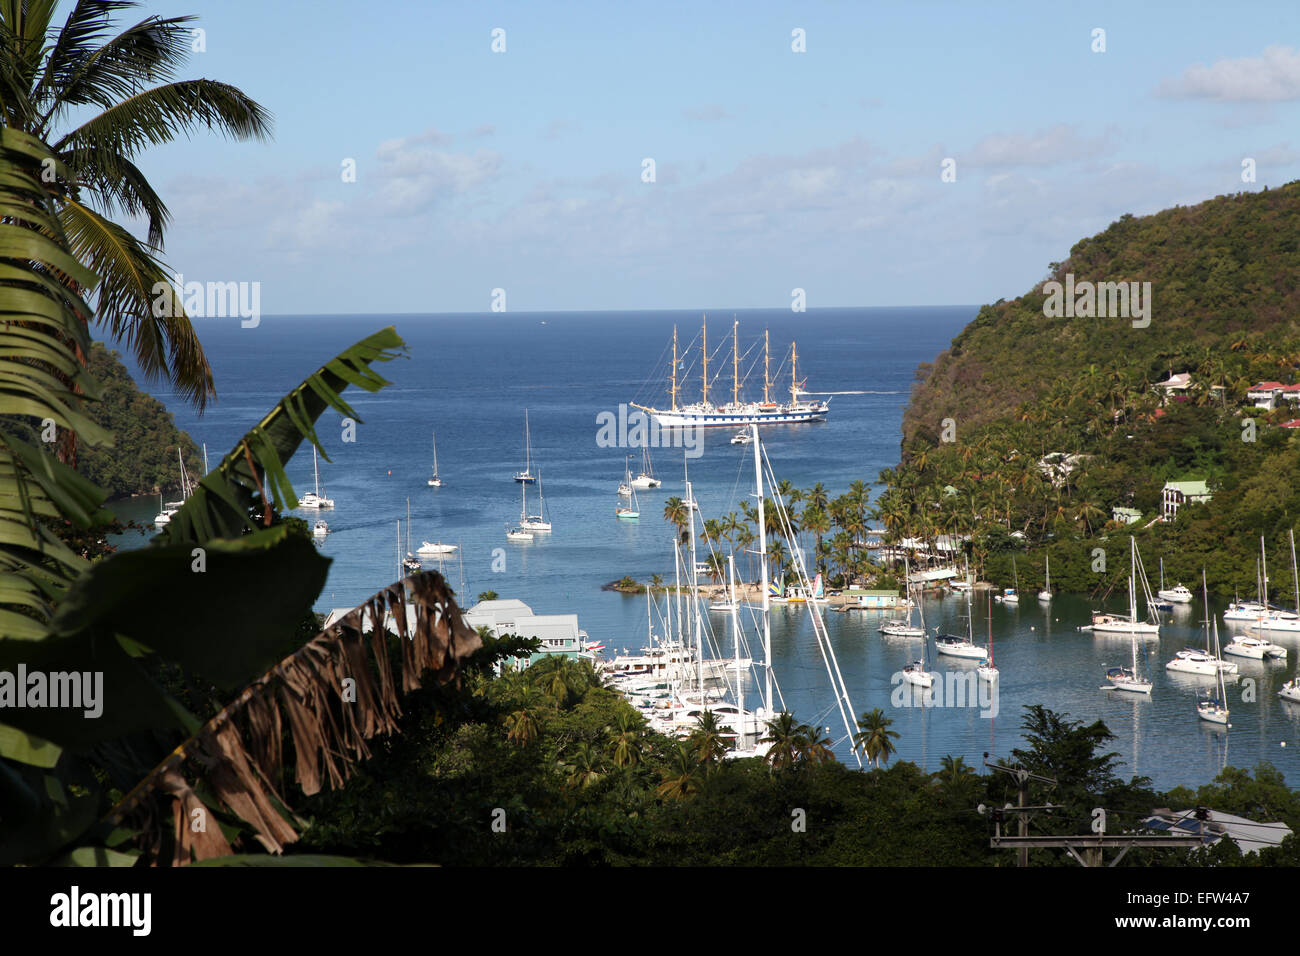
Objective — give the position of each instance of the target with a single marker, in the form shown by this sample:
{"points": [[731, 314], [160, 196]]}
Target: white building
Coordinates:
{"points": [[559, 633]]}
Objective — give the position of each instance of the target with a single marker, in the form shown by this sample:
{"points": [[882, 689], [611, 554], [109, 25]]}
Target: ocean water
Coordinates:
{"points": [[470, 378]]}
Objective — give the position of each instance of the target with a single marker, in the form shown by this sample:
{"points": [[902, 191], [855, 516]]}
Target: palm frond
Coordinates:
{"points": [[164, 344], [159, 115], [219, 507], [40, 377], [237, 755]]}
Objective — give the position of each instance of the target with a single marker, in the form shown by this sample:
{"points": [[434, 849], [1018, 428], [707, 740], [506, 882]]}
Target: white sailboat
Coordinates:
{"points": [[918, 673], [1215, 708], [1116, 624], [987, 670], [1128, 679], [1202, 663], [410, 562], [1011, 595], [646, 477], [526, 476], [168, 509], [539, 521], [315, 498], [632, 509], [518, 533], [1046, 593], [903, 627], [954, 646], [435, 481], [1277, 619]]}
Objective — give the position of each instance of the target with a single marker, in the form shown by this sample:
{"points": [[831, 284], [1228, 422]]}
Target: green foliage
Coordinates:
{"points": [[142, 459]]}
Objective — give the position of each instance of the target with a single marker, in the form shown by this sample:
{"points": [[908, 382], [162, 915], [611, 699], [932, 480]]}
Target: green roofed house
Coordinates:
{"points": [[1125, 515], [870, 598], [1179, 493]]}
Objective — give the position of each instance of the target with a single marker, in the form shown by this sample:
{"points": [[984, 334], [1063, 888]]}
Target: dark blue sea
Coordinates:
{"points": [[471, 377]]}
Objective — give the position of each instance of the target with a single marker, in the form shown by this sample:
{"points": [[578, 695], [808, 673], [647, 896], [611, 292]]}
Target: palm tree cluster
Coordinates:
{"points": [[829, 531]]}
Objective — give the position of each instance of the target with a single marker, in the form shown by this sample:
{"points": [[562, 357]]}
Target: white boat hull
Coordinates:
{"points": [[962, 649]]}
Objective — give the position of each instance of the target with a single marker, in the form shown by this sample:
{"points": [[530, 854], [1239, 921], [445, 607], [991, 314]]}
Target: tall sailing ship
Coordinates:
{"points": [[709, 414]]}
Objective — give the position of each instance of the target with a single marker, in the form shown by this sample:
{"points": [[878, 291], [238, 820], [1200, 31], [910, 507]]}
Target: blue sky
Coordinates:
{"points": [[774, 169]]}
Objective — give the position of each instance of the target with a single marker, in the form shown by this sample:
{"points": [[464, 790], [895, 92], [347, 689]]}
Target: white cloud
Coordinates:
{"points": [[709, 113], [1061, 143], [1270, 78]]}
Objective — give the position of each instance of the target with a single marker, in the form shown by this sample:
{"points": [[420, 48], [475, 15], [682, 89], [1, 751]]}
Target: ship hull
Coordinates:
{"points": [[682, 419]]}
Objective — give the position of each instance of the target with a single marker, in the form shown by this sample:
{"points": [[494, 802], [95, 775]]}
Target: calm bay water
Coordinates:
{"points": [[471, 377]]}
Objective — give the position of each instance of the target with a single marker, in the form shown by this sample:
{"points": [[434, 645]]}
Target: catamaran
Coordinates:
{"points": [[1116, 624], [526, 476], [315, 499], [1215, 708], [1276, 619], [1202, 663], [646, 477], [707, 414], [435, 481]]}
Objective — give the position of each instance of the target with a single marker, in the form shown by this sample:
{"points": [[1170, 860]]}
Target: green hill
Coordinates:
{"points": [[143, 458], [1018, 385]]}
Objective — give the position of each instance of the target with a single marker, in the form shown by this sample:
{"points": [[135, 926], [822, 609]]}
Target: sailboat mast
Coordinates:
{"points": [[315, 470], [735, 362], [1295, 576], [1263, 565], [704, 350], [696, 623], [205, 458], [794, 364], [767, 360], [435, 454], [673, 393], [762, 563]]}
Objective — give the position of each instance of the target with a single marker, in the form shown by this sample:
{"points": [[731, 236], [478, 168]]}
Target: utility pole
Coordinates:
{"points": [[1086, 849]]}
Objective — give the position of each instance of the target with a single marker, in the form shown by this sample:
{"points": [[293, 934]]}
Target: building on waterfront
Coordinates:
{"points": [[1125, 515], [1179, 493], [873, 599], [559, 633], [1216, 825]]}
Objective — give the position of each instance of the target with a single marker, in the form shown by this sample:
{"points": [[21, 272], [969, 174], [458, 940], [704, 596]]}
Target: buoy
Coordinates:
{"points": [[390, 472], [1284, 743]]}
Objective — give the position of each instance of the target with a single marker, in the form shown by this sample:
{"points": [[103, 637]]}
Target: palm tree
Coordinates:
{"points": [[814, 746], [874, 738], [783, 734], [706, 739], [675, 512], [99, 98], [583, 767], [522, 726], [627, 739], [680, 778]]}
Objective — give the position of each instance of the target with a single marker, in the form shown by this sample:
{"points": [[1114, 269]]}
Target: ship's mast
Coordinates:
{"points": [[735, 362], [704, 349], [767, 358], [762, 563], [794, 365], [674, 387]]}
